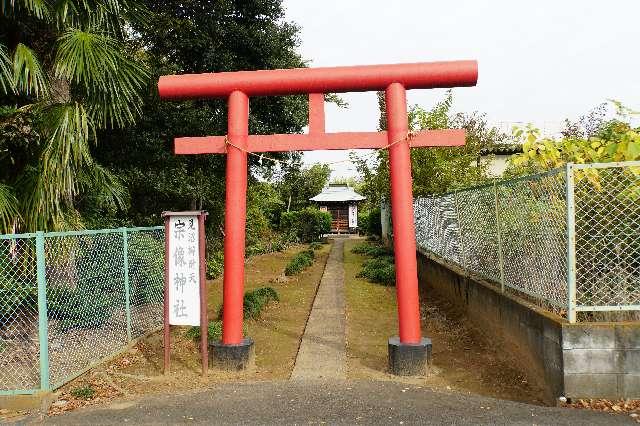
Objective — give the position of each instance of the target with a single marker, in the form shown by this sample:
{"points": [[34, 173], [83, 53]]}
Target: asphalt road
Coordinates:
{"points": [[335, 402]]}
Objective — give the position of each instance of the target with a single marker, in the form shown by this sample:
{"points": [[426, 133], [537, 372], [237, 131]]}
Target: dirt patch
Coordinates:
{"points": [[277, 334], [464, 360]]}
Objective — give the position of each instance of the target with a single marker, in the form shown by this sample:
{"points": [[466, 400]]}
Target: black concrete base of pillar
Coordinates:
{"points": [[409, 359], [232, 357]]}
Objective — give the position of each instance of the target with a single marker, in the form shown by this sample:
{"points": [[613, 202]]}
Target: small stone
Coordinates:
{"points": [[60, 403], [634, 415]]}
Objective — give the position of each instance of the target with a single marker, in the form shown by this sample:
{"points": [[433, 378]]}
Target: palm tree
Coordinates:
{"points": [[64, 73]]}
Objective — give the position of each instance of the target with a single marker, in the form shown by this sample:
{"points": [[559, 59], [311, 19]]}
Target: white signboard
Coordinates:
{"points": [[184, 270], [353, 216]]}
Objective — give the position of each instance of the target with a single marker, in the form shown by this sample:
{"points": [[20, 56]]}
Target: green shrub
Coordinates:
{"points": [[80, 307], [273, 243], [255, 301], [84, 392], [379, 270], [305, 225], [315, 245], [299, 262], [146, 267], [371, 250], [369, 222], [15, 295], [214, 331]]}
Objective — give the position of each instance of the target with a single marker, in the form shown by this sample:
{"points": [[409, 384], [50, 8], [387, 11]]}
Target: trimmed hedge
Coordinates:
{"points": [[316, 245], [214, 331], [299, 262], [305, 225], [380, 268], [371, 250], [255, 301]]}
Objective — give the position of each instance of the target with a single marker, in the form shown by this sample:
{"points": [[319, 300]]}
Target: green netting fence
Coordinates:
{"points": [[70, 299], [567, 240]]}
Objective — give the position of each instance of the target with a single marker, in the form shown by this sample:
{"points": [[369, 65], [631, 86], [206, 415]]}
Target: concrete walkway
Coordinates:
{"points": [[327, 402], [322, 352]]}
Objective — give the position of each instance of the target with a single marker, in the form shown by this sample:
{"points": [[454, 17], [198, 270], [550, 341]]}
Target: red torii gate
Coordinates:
{"points": [[406, 356]]}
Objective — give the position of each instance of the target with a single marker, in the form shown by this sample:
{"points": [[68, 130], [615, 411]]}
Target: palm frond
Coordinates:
{"points": [[6, 72], [9, 213], [68, 143], [106, 188], [112, 81], [42, 209], [28, 77], [37, 8], [110, 16], [48, 190]]}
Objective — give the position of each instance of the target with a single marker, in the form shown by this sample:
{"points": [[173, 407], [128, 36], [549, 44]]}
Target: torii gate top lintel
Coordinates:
{"points": [[394, 79], [420, 75]]}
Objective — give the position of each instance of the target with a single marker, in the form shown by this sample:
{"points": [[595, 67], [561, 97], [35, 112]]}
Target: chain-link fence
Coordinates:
{"points": [[70, 299], [567, 239]]}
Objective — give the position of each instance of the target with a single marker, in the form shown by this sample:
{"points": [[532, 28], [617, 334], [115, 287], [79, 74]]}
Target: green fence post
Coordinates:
{"points": [[43, 325], [571, 243], [127, 299], [500, 254]]}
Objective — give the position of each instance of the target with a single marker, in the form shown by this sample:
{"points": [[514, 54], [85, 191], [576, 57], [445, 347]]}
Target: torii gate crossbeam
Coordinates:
{"points": [[394, 79]]}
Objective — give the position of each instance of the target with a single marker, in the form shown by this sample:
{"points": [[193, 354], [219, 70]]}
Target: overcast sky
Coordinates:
{"points": [[539, 61]]}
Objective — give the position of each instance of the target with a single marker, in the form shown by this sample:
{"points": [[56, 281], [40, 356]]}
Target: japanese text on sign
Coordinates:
{"points": [[184, 271]]}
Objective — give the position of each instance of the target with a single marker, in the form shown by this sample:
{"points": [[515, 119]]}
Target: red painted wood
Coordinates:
{"points": [[422, 75], [404, 237], [316, 112], [310, 142], [235, 219]]}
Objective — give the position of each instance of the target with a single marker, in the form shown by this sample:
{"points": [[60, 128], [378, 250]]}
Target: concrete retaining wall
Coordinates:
{"points": [[583, 360]]}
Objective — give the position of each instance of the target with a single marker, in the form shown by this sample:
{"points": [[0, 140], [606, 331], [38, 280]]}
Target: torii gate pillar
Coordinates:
{"points": [[410, 352]]}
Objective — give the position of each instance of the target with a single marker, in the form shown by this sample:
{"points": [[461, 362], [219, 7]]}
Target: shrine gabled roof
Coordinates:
{"points": [[336, 193]]}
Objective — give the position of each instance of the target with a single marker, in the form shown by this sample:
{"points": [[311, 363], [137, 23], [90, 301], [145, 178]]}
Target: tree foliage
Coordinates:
{"points": [[592, 139], [297, 184], [434, 170], [65, 72], [196, 37]]}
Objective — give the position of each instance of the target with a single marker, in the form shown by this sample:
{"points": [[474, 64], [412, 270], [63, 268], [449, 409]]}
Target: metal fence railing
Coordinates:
{"points": [[70, 299], [568, 239]]}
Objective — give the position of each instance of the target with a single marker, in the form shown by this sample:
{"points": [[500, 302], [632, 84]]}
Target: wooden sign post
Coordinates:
{"points": [[185, 286]]}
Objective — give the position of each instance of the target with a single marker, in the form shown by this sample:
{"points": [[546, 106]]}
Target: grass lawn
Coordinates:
{"points": [[464, 360], [371, 319], [278, 331]]}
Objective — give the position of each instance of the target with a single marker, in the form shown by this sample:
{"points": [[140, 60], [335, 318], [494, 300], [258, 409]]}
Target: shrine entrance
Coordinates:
{"points": [[409, 351]]}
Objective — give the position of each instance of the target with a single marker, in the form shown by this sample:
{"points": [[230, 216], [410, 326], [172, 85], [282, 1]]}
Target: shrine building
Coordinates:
{"points": [[342, 202]]}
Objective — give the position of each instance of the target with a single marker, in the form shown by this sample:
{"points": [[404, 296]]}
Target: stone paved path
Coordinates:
{"points": [[322, 353]]}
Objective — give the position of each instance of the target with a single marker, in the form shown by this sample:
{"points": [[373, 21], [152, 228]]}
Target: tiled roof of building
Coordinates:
{"points": [[337, 192]]}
